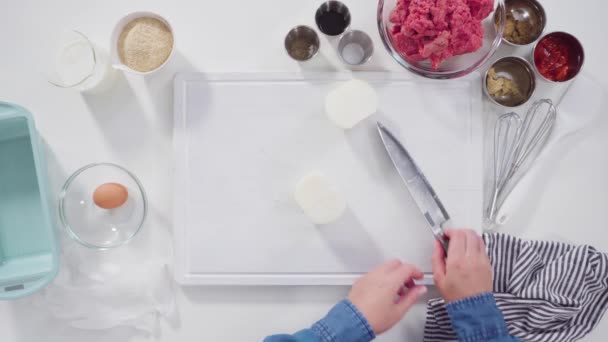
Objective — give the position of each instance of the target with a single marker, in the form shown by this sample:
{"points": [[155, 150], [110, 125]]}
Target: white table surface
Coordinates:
{"points": [[131, 125]]}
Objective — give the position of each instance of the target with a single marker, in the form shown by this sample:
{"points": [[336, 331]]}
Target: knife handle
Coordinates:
{"points": [[440, 236], [445, 244]]}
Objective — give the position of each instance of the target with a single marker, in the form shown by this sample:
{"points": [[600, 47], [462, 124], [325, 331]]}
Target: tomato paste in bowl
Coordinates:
{"points": [[558, 57]]}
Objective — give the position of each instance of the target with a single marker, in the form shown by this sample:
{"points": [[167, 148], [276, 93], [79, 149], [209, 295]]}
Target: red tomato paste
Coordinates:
{"points": [[553, 58]]}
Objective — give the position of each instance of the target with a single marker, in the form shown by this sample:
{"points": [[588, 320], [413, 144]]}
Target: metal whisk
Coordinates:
{"points": [[517, 143]]}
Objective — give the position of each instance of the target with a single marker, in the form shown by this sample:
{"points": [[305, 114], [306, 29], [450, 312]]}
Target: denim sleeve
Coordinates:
{"points": [[478, 319], [344, 322]]}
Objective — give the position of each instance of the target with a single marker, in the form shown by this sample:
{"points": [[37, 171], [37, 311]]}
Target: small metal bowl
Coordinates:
{"points": [[302, 43], [333, 18], [522, 15], [576, 50], [517, 70], [355, 47]]}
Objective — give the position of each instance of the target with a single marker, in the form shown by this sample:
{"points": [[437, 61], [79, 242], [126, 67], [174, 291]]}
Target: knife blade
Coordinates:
{"points": [[419, 187]]}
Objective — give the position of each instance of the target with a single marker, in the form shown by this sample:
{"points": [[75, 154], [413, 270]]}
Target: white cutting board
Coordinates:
{"points": [[242, 142]]}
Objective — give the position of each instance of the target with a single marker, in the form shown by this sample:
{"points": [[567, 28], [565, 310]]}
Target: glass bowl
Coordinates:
{"points": [[74, 62], [457, 66], [91, 225]]}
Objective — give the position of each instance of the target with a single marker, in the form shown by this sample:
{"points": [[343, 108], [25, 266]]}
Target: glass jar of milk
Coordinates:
{"points": [[76, 63]]}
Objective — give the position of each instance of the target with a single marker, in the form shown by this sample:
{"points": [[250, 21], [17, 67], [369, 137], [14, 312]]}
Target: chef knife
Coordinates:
{"points": [[425, 197]]}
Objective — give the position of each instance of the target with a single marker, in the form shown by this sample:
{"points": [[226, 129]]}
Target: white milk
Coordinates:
{"points": [[80, 65]]}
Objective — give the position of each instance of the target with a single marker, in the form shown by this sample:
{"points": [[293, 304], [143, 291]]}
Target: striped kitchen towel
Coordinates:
{"points": [[547, 291]]}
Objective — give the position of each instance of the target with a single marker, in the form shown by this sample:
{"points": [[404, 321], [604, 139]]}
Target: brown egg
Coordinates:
{"points": [[110, 195]]}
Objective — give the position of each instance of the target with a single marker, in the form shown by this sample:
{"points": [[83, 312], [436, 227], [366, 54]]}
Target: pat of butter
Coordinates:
{"points": [[319, 199]]}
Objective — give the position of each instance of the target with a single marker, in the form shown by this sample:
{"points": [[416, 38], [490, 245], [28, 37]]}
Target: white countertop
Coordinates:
{"points": [[132, 125]]}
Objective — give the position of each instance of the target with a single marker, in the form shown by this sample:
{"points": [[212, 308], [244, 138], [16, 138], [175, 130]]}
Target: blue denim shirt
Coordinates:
{"points": [[475, 319]]}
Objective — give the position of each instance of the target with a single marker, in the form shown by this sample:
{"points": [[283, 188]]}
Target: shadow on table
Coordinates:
{"points": [[320, 63], [351, 243], [121, 118], [264, 294], [276, 302], [135, 116], [31, 323], [584, 101], [365, 142], [137, 110], [375, 64], [159, 89]]}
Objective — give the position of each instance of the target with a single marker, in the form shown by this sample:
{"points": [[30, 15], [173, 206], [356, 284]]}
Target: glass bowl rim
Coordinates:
{"points": [[69, 229], [90, 72]]}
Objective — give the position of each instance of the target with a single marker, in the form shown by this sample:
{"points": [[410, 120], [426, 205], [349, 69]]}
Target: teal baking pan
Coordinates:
{"points": [[28, 241]]}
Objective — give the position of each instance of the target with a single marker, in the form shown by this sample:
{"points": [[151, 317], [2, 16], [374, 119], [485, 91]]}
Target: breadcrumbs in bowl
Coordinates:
{"points": [[142, 43]]}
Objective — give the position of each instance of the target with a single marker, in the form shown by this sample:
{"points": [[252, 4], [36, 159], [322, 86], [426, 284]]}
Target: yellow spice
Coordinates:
{"points": [[500, 86]]}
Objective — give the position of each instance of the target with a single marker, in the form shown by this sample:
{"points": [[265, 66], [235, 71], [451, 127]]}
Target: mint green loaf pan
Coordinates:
{"points": [[28, 242]]}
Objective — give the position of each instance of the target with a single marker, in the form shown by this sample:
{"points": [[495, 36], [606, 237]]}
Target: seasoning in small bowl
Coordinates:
{"points": [[526, 20], [142, 43], [510, 82], [558, 57], [302, 43]]}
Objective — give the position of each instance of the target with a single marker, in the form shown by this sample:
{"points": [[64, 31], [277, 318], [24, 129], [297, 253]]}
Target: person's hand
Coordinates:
{"points": [[385, 294], [467, 271]]}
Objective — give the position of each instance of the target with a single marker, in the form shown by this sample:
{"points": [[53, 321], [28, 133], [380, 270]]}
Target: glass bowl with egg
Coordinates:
{"points": [[441, 40], [102, 206]]}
